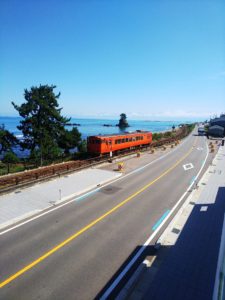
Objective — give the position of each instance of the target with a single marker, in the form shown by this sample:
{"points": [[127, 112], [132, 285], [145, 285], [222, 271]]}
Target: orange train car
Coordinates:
{"points": [[102, 144]]}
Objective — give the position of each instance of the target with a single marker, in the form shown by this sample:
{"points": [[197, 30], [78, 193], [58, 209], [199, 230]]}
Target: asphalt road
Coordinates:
{"points": [[73, 252]]}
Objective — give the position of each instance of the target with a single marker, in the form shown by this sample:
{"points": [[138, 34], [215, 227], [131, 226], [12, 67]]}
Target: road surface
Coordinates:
{"points": [[73, 252]]}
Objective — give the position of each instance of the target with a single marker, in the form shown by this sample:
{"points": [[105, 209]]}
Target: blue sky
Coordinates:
{"points": [[149, 59]]}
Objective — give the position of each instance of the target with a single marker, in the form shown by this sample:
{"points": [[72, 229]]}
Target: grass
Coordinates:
{"points": [[12, 168]]}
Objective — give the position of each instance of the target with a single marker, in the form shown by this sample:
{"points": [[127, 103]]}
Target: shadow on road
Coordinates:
{"points": [[187, 269]]}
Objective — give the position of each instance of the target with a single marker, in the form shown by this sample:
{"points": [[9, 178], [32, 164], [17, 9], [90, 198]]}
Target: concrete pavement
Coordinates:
{"points": [[27, 202]]}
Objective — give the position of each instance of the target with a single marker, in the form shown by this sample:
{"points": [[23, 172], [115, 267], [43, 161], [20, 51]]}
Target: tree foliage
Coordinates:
{"points": [[82, 147], [69, 139], [43, 126], [10, 158], [7, 140]]}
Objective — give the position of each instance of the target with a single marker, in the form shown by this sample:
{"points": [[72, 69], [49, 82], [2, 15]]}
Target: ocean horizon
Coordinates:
{"points": [[91, 126], [94, 126]]}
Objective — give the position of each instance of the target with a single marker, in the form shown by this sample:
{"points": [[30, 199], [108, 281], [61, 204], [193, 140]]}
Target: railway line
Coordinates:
{"points": [[12, 181]]}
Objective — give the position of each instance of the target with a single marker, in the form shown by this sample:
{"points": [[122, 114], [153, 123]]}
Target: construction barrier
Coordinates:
{"points": [[120, 166]]}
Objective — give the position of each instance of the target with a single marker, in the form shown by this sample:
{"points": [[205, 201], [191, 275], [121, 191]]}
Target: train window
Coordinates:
{"points": [[119, 141], [116, 141], [127, 140], [141, 137], [123, 140], [133, 139], [130, 139], [137, 138]]}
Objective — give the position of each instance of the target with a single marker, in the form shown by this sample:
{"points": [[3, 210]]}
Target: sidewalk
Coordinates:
{"points": [[26, 202], [185, 265]]}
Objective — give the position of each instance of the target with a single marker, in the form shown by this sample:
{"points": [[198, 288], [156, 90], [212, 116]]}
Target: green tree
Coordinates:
{"points": [[69, 139], [42, 123], [10, 158], [7, 140], [123, 121], [82, 147]]}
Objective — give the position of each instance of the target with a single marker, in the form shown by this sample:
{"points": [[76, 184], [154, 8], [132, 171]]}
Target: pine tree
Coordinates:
{"points": [[7, 140], [42, 123]]}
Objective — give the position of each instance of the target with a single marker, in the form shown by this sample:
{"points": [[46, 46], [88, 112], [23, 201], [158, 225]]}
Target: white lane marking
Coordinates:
{"points": [[138, 254], [203, 208], [188, 166], [199, 148], [82, 196]]}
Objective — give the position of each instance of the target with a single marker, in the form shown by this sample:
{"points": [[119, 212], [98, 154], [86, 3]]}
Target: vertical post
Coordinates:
{"points": [[60, 194]]}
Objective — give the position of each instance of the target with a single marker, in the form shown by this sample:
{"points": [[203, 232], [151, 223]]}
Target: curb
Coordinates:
{"points": [[55, 203]]}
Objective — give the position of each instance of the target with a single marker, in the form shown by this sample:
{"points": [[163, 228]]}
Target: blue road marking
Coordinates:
{"points": [[87, 195], [160, 220], [193, 179]]}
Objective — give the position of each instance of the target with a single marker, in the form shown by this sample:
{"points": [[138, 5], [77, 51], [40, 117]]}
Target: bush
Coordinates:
{"points": [[10, 158], [157, 136], [167, 134]]}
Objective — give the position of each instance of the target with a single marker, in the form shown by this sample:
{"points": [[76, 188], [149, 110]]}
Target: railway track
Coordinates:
{"points": [[29, 177]]}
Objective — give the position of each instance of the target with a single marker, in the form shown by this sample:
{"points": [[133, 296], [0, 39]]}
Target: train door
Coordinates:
{"points": [[109, 145]]}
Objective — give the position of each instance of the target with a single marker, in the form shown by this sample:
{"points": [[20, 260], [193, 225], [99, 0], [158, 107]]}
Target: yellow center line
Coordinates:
{"points": [[78, 233]]}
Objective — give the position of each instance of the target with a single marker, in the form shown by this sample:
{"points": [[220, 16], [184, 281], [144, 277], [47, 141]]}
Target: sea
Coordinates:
{"points": [[88, 127]]}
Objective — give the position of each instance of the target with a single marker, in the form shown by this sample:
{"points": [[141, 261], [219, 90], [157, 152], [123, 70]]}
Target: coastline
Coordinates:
{"points": [[88, 127]]}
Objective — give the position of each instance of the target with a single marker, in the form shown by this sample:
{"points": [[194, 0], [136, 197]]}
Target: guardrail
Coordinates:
{"points": [[7, 182]]}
